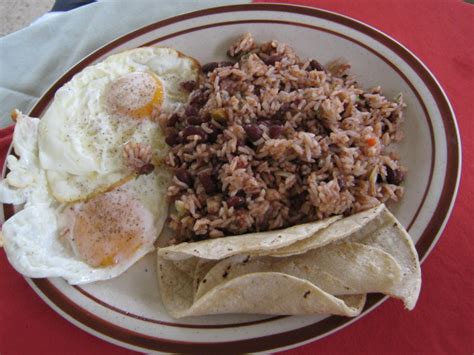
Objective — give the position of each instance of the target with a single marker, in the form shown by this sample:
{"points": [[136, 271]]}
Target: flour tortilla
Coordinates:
{"points": [[336, 260]]}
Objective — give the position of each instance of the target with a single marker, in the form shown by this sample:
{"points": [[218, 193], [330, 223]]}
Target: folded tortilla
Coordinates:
{"points": [[326, 267]]}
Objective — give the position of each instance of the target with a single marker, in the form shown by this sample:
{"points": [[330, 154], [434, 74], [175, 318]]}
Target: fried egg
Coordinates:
{"points": [[92, 117], [82, 242], [84, 214]]}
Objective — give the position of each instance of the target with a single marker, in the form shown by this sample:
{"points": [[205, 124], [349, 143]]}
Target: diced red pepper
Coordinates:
{"points": [[371, 141]]}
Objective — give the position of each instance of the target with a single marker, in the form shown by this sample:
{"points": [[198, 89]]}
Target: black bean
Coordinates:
{"points": [[241, 193], [395, 177], [298, 200], [394, 116], [253, 132], [189, 85], [212, 137], [280, 115], [322, 129], [172, 138], [198, 99], [146, 169], [275, 131], [184, 176], [208, 183], [206, 68], [272, 59], [194, 120], [190, 111], [194, 131], [315, 65], [177, 161], [172, 120], [235, 201], [248, 142], [263, 56]]}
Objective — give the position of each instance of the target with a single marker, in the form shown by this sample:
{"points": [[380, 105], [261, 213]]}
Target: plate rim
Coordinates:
{"points": [[440, 215]]}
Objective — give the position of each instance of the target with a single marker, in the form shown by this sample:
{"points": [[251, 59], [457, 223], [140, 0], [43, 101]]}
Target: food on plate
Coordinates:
{"points": [[270, 140], [88, 173], [84, 241], [325, 267], [241, 149], [104, 109]]}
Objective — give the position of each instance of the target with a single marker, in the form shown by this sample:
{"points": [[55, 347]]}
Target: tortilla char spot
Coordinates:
{"points": [[204, 281], [395, 224], [306, 294], [246, 259], [229, 249], [224, 275]]}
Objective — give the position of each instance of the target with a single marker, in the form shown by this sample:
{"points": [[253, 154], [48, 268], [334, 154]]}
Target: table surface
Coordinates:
{"points": [[17, 14], [440, 34]]}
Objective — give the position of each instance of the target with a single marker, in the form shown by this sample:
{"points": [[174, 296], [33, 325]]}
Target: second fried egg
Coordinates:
{"points": [[83, 242]]}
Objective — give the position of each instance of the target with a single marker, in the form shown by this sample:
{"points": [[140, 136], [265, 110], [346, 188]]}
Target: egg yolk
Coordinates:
{"points": [[135, 95], [110, 228]]}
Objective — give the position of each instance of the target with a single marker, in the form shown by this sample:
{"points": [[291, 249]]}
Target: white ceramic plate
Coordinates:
{"points": [[127, 310]]}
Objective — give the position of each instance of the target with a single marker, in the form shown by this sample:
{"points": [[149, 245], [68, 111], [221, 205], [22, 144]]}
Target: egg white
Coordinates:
{"points": [[26, 181], [81, 141], [31, 236]]}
